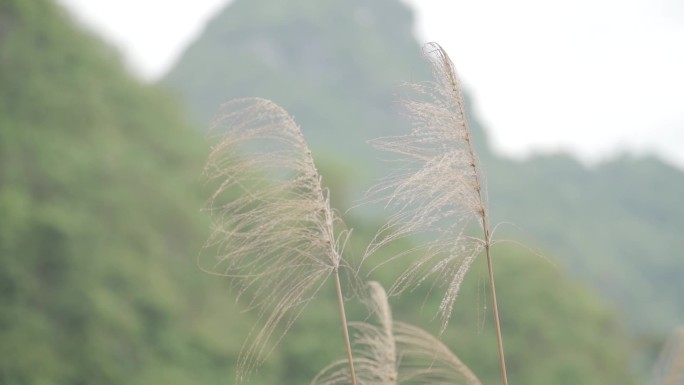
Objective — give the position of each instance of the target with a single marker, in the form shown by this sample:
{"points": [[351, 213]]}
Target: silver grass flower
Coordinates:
{"points": [[273, 230], [439, 190], [392, 353]]}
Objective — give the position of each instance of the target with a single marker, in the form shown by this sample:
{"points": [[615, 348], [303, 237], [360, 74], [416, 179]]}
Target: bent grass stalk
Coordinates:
{"points": [[273, 230]]}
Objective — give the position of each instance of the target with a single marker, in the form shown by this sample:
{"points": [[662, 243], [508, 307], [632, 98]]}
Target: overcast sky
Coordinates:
{"points": [[591, 77]]}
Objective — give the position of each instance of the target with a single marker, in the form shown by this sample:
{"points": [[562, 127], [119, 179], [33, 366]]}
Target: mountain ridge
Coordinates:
{"points": [[598, 219]]}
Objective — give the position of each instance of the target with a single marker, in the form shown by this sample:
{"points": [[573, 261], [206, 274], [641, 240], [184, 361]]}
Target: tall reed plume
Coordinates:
{"points": [[389, 352], [438, 190], [273, 230]]}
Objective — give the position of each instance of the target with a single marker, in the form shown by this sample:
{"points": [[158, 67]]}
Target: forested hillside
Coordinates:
{"points": [[100, 226], [334, 65], [99, 219], [338, 66], [614, 225]]}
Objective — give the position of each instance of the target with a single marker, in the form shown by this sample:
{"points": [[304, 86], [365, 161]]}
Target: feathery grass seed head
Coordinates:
{"points": [[272, 225], [438, 190]]}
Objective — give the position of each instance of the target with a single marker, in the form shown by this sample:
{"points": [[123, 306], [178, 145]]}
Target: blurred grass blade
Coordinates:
{"points": [[669, 369]]}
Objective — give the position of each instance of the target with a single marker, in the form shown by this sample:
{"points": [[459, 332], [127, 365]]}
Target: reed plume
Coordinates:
{"points": [[389, 353], [273, 230], [669, 369], [438, 190]]}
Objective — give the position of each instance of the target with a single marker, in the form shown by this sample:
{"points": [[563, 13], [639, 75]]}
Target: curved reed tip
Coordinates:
{"points": [[272, 224]]}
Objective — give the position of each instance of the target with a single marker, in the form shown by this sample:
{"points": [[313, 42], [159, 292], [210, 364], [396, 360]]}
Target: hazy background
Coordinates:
{"points": [[602, 77]]}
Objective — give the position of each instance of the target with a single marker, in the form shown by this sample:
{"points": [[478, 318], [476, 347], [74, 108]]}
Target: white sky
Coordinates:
{"points": [[591, 77]]}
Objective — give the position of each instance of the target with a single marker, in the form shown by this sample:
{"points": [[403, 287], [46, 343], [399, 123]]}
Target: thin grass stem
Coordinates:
{"points": [[345, 328], [495, 310], [487, 245]]}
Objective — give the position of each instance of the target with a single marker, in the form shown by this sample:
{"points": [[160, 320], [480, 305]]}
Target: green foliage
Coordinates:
{"points": [[612, 225], [99, 220], [555, 330]]}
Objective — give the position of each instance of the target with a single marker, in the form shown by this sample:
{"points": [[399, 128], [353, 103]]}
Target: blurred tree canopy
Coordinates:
{"points": [[99, 219]]}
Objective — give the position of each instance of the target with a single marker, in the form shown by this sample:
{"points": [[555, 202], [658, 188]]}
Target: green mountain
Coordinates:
{"points": [[336, 65], [295, 52], [614, 225], [99, 219]]}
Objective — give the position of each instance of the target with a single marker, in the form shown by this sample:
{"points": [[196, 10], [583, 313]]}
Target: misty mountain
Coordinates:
{"points": [[99, 218], [337, 66]]}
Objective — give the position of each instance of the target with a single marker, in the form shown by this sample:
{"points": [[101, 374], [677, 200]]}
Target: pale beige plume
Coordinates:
{"points": [[438, 190], [272, 225]]}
